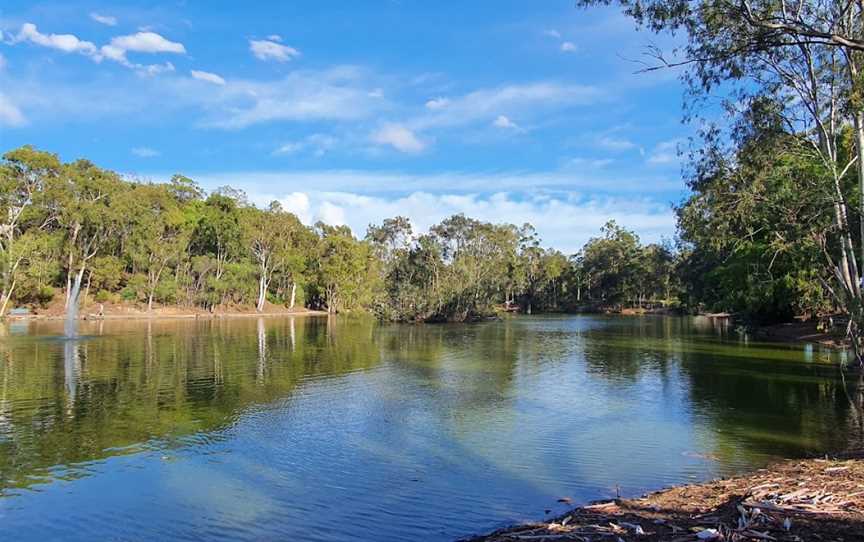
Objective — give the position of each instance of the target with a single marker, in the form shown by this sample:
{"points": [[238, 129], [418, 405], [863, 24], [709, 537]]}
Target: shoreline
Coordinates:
{"points": [[793, 500], [159, 314]]}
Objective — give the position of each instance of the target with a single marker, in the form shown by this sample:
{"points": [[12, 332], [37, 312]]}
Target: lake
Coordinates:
{"points": [[316, 428]]}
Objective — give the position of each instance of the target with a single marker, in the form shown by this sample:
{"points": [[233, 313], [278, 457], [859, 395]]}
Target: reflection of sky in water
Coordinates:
{"points": [[323, 429]]}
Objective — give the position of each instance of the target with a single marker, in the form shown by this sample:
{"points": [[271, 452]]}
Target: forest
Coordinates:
{"points": [[753, 238], [76, 233]]}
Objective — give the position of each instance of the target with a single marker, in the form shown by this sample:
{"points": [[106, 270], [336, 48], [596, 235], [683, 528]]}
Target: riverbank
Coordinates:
{"points": [[130, 311], [807, 332], [815, 499]]}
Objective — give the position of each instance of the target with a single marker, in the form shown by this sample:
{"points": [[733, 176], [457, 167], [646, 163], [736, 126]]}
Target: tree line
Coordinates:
{"points": [[753, 238], [74, 232]]}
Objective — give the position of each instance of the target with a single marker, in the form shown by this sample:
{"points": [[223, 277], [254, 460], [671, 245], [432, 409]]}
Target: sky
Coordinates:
{"points": [[352, 112]]}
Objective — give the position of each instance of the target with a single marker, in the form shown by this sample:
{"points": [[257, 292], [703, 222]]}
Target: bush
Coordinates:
{"points": [[135, 289], [44, 295]]}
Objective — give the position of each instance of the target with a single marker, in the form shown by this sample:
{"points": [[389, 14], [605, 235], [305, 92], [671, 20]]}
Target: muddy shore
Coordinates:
{"points": [[815, 499]]}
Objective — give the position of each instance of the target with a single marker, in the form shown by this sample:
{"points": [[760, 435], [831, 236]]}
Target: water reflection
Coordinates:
{"points": [[265, 427], [71, 370]]}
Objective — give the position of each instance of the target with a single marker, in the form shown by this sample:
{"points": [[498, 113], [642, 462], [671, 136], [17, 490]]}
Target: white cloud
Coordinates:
{"points": [[68, 43], [665, 153], [147, 42], [330, 213], [339, 94], [208, 77], [317, 144], [569, 47], [10, 115], [565, 221], [399, 137], [504, 123], [141, 42], [145, 152], [270, 50], [528, 99], [552, 33], [612, 143], [292, 147], [437, 103], [298, 204], [646, 184], [274, 37], [104, 19], [595, 163], [154, 69]]}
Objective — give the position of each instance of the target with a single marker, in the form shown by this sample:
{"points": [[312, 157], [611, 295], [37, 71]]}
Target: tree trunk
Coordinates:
{"points": [[68, 287], [70, 261], [293, 295], [859, 143], [76, 287], [262, 293], [5, 299], [87, 289]]}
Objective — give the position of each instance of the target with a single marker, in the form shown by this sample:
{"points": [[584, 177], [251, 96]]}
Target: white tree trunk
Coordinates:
{"points": [[5, 299], [262, 293], [293, 296], [859, 143]]}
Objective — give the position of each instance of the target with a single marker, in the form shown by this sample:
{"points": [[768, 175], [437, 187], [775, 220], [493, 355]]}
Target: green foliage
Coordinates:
{"points": [[755, 231], [346, 275], [107, 273], [44, 295]]}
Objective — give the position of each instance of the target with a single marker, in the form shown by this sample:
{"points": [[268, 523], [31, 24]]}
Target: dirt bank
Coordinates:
{"points": [[814, 499], [129, 311], [801, 332]]}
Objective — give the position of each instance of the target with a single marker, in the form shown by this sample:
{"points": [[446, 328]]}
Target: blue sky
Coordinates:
{"points": [[352, 112]]}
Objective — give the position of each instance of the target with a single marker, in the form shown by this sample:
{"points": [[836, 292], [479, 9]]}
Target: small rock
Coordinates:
{"points": [[708, 534]]}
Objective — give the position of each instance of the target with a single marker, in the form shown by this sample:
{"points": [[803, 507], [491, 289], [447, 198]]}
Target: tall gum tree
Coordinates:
{"points": [[23, 176], [83, 202], [807, 56], [274, 238], [159, 237]]}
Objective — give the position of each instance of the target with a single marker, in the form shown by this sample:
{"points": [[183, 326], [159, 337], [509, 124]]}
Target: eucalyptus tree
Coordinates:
{"points": [[275, 240], [393, 243], [218, 233], [346, 269], [753, 230], [612, 262], [159, 237], [84, 203], [805, 56], [184, 189], [23, 176]]}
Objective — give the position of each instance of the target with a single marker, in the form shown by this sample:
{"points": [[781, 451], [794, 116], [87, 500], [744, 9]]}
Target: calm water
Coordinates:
{"points": [[335, 429]]}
